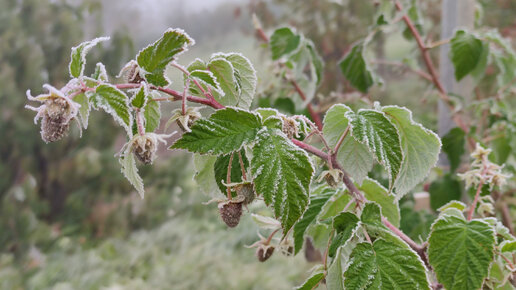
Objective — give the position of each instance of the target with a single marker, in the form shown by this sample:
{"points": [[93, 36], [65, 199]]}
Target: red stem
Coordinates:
{"points": [[315, 116], [475, 200], [228, 177]]}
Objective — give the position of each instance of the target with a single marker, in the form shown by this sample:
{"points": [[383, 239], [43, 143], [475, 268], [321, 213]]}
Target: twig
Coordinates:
{"points": [[438, 43], [404, 66]]}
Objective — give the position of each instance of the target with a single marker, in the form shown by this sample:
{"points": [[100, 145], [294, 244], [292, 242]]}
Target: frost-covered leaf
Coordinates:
{"points": [[420, 147], [100, 73], [312, 281], [237, 78], [385, 264], [453, 145], [373, 129], [84, 111], [508, 246], [282, 174], [206, 79], [221, 169], [130, 172], [461, 251], [78, 56], [152, 115], [317, 202], [374, 191], [371, 217], [466, 53], [115, 103], [266, 222], [335, 278], [205, 175], [353, 156], [356, 70], [453, 204], [154, 58], [283, 42], [344, 225], [140, 97], [225, 131]]}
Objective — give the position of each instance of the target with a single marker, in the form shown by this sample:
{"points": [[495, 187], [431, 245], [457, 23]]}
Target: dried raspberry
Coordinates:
{"points": [[145, 151], [290, 127], [264, 253], [246, 190], [230, 212], [56, 119]]}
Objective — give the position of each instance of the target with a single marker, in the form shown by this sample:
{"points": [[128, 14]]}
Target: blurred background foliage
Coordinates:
{"points": [[68, 218]]}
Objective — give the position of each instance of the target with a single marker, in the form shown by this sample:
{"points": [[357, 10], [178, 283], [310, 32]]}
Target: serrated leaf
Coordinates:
{"points": [[373, 129], [420, 147], [78, 56], [453, 145], [206, 79], [130, 172], [371, 217], [283, 41], [154, 58], [453, 204], [335, 279], [282, 174], [508, 246], [460, 252], [205, 175], [221, 169], [225, 131], [100, 73], [465, 52], [374, 191], [386, 264], [237, 78], [312, 281], [354, 157], [356, 70], [140, 98], [314, 209], [84, 110], [115, 103], [152, 115], [344, 225]]}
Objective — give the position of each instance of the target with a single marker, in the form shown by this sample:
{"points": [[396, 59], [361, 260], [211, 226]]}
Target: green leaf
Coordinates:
{"points": [[420, 147], [460, 252], [205, 175], [356, 70], [466, 53], [374, 191], [386, 264], [84, 111], [335, 279], [373, 129], [312, 281], [100, 73], [221, 169], [508, 246], [237, 78], [453, 204], [314, 209], [140, 98], [444, 190], [353, 156], [335, 205], [152, 115], [317, 61], [371, 217], [283, 42], [282, 174], [78, 56], [115, 103], [453, 146], [344, 224], [225, 131], [414, 14], [154, 58], [206, 79], [130, 171]]}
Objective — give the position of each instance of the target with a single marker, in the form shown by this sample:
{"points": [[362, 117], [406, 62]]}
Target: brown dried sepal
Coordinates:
{"points": [[263, 253], [290, 128], [145, 152], [56, 120], [246, 191]]}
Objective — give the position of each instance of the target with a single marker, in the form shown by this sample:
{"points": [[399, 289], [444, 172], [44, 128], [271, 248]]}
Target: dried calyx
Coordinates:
{"points": [[144, 147], [56, 112], [290, 127], [184, 121], [131, 73], [332, 177], [246, 191]]}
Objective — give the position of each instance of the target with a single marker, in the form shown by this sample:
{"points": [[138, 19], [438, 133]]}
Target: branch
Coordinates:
{"points": [[433, 73], [420, 73], [315, 116]]}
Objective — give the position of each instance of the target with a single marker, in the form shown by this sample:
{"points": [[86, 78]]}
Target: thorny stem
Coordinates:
{"points": [[433, 73], [327, 250], [315, 116], [228, 177], [242, 167], [475, 200], [420, 73], [141, 129], [183, 101]]}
